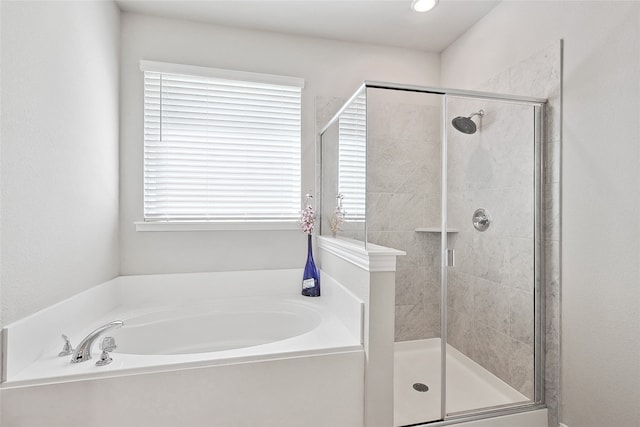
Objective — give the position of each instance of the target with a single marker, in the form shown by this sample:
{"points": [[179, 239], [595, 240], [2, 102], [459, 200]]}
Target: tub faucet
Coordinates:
{"points": [[83, 351]]}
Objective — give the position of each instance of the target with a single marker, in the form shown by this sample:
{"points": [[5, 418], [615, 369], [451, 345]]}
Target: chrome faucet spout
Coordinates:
{"points": [[83, 351]]}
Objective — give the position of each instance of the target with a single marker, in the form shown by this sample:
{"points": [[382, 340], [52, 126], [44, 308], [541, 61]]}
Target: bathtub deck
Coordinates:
{"points": [[469, 385]]}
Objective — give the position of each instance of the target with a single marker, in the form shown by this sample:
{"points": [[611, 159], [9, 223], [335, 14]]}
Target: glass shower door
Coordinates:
{"points": [[491, 244]]}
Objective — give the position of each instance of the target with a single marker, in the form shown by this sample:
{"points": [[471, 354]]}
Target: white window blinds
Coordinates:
{"points": [[352, 157], [218, 148]]}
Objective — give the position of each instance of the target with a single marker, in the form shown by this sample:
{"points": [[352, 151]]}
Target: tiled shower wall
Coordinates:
{"points": [[537, 76], [541, 76]]}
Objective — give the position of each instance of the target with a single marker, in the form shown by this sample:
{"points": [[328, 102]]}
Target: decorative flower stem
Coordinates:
{"points": [[308, 218]]}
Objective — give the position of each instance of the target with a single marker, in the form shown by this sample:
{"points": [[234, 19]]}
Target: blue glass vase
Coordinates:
{"points": [[311, 276]]}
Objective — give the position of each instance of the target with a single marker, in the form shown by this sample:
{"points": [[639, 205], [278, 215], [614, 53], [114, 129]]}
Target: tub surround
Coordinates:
{"points": [[135, 357]]}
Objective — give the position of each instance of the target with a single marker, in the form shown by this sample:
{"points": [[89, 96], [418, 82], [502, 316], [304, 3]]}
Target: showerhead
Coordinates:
{"points": [[465, 124]]}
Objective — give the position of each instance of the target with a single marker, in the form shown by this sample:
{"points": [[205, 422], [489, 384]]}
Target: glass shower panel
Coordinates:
{"points": [[404, 212], [344, 173], [491, 205]]}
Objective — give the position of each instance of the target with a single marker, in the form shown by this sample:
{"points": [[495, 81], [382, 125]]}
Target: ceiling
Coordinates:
{"points": [[381, 22]]}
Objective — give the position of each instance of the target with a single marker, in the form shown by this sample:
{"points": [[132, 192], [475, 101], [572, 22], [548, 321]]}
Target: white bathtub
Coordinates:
{"points": [[193, 347]]}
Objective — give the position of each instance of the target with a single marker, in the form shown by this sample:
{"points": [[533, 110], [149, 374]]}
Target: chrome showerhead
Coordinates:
{"points": [[465, 124]]}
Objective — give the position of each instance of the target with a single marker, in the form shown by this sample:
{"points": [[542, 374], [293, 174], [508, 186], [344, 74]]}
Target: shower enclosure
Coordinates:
{"points": [[453, 178]]}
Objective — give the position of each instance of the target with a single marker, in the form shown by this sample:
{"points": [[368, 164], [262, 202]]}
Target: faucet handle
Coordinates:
{"points": [[107, 345], [67, 349]]}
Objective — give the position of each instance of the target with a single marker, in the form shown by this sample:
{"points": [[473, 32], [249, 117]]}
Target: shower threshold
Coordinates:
{"points": [[469, 385]]}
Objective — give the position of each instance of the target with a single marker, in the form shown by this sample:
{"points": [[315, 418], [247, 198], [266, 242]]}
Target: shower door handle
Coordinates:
{"points": [[451, 258]]}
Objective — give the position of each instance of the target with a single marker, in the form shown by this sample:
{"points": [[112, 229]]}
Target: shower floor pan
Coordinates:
{"points": [[469, 385]]}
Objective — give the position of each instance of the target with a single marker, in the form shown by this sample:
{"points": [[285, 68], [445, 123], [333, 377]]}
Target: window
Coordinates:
{"points": [[220, 145], [352, 158]]}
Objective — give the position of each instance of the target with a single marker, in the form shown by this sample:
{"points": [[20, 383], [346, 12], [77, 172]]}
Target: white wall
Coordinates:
{"points": [[600, 186], [330, 68], [59, 151]]}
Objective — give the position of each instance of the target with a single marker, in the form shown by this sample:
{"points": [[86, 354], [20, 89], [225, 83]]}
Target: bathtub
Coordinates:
{"points": [[195, 349]]}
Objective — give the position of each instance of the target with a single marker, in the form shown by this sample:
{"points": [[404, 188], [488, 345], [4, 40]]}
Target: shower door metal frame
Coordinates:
{"points": [[538, 401]]}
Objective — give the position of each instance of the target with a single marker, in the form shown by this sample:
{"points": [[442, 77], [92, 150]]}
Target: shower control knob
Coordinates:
{"points": [[481, 219]]}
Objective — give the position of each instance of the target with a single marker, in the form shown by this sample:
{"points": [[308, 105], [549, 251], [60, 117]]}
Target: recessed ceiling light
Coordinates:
{"points": [[423, 5]]}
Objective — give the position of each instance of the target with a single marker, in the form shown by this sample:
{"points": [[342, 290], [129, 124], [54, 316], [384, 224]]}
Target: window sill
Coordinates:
{"points": [[216, 225]]}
